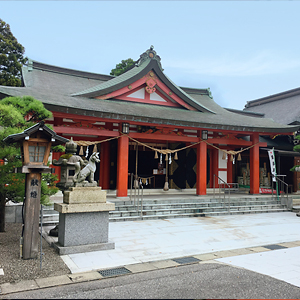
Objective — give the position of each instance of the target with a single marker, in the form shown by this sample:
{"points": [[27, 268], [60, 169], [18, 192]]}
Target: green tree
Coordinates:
{"points": [[16, 115], [122, 67], [11, 57]]}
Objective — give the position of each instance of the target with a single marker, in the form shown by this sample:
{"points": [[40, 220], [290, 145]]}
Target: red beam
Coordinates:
{"points": [[151, 137], [229, 142], [234, 142], [85, 131], [178, 138], [97, 119], [163, 137]]}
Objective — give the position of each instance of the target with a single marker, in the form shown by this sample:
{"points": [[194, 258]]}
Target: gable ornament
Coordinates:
{"points": [[150, 88]]}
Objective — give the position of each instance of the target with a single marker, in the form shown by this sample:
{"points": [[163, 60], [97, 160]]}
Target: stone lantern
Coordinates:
{"points": [[35, 143], [70, 164]]}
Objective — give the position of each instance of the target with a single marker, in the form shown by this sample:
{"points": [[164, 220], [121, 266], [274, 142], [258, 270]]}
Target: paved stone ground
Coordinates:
{"points": [[237, 238]]}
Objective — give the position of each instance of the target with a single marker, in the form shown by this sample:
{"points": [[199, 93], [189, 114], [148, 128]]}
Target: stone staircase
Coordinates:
{"points": [[181, 206]]}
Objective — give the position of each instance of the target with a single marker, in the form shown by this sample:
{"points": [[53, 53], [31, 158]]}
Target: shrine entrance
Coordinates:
{"points": [[153, 171], [150, 171]]}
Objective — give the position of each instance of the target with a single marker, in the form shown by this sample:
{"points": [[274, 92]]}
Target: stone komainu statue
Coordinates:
{"points": [[74, 170], [89, 170]]}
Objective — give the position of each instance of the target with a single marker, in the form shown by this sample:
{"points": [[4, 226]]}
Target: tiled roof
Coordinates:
{"points": [[57, 140], [283, 107], [56, 88]]}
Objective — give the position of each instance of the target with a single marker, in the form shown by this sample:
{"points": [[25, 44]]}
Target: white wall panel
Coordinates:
{"points": [[222, 162], [223, 175]]}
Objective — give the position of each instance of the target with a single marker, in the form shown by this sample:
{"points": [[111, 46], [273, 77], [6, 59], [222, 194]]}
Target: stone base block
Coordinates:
{"points": [[86, 228], [76, 195], [83, 207], [13, 213], [83, 248]]}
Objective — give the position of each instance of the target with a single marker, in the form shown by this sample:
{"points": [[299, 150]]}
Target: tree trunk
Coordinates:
{"points": [[2, 212]]}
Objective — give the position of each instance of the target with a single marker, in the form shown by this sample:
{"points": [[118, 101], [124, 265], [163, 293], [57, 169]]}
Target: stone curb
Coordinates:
{"points": [[38, 283]]}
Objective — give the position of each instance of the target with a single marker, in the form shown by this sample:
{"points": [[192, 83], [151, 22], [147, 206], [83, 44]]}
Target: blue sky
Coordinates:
{"points": [[242, 50]]}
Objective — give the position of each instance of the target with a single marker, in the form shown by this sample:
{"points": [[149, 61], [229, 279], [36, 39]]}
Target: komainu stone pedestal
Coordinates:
{"points": [[83, 221]]}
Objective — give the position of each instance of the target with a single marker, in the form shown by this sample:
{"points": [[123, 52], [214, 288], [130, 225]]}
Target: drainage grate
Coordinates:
{"points": [[186, 260], [114, 272], [274, 247]]}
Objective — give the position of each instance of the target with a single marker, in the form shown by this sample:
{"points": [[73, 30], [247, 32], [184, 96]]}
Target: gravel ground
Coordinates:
{"points": [[16, 269]]}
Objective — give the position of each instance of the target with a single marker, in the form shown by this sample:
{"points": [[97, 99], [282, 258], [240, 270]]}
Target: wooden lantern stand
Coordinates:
{"points": [[35, 143]]}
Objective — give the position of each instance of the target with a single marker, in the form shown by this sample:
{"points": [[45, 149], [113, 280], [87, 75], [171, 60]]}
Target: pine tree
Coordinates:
{"points": [[11, 57], [16, 115], [122, 67]]}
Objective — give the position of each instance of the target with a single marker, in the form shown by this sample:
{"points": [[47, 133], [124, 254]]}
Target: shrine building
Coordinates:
{"points": [[143, 124]]}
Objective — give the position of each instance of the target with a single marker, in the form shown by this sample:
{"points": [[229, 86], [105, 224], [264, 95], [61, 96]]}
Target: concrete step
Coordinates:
{"points": [[182, 211], [170, 207], [186, 215], [191, 200], [156, 206], [253, 211]]}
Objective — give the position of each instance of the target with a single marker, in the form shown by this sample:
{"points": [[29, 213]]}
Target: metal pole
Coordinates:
{"points": [[131, 179], [137, 207], [142, 201], [136, 170], [272, 187], [228, 198], [214, 185], [287, 194]]}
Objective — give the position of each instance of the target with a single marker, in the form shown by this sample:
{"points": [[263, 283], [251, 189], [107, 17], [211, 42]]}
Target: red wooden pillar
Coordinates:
{"points": [[214, 157], [201, 168], [254, 165], [56, 155], [122, 167], [104, 166]]}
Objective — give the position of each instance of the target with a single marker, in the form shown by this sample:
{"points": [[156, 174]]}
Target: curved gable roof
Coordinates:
{"points": [[147, 62]]}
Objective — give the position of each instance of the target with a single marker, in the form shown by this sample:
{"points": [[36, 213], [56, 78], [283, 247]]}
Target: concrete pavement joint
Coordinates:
{"points": [[38, 283]]}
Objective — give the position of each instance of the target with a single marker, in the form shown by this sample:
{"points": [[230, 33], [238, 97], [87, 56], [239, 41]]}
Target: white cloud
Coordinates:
{"points": [[264, 63]]}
